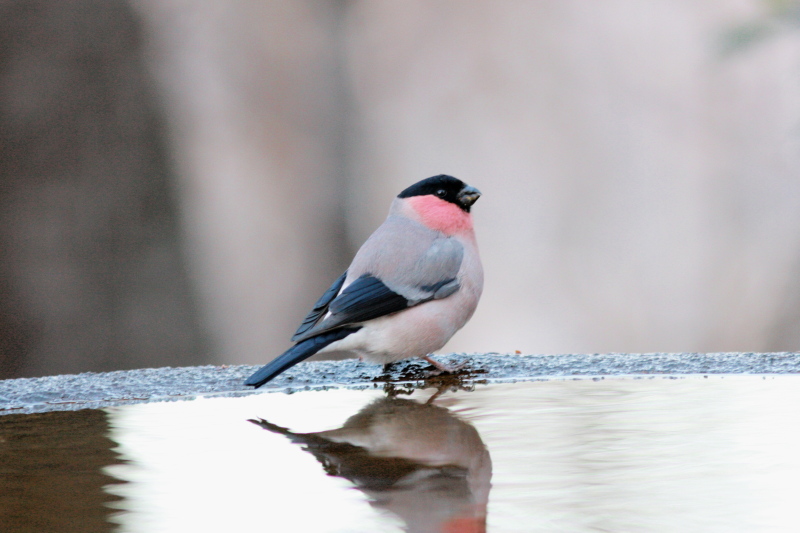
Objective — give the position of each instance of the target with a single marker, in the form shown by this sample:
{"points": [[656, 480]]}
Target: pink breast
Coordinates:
{"points": [[441, 215]]}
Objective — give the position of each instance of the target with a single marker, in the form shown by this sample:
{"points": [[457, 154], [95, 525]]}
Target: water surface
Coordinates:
{"points": [[691, 454]]}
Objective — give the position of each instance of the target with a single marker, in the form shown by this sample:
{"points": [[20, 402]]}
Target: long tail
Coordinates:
{"points": [[297, 353]]}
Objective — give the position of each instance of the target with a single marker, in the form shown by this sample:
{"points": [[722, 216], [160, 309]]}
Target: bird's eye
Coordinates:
{"points": [[441, 193]]}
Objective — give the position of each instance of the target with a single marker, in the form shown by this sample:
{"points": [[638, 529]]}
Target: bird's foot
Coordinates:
{"points": [[441, 367]]}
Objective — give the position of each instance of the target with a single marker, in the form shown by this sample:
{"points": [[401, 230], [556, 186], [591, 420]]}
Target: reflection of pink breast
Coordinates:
{"points": [[440, 215], [475, 524]]}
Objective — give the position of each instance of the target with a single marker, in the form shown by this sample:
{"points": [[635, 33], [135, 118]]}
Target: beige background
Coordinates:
{"points": [[640, 164]]}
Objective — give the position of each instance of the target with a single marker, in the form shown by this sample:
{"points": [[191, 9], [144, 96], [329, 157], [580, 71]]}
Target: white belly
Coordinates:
{"points": [[413, 332]]}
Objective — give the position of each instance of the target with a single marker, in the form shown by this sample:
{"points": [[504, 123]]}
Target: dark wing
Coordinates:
{"points": [[320, 308], [364, 299], [367, 298]]}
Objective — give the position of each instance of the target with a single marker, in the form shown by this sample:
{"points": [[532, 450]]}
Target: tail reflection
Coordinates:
{"points": [[416, 460]]}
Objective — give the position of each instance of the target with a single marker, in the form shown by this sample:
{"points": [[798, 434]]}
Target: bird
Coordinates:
{"points": [[410, 287]]}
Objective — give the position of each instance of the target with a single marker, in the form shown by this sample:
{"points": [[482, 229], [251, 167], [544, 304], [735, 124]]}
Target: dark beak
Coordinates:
{"points": [[468, 196]]}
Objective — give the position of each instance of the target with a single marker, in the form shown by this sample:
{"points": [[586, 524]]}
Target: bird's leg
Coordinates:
{"points": [[443, 367]]}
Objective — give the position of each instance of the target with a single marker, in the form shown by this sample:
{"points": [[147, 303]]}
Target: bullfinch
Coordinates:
{"points": [[410, 287]]}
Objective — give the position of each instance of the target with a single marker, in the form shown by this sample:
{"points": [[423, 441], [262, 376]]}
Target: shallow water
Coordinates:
{"points": [[691, 454]]}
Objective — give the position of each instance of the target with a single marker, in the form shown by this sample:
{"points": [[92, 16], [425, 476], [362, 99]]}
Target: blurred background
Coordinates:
{"points": [[180, 180]]}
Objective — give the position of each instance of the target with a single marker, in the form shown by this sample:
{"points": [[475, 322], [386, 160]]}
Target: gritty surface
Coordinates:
{"points": [[92, 390]]}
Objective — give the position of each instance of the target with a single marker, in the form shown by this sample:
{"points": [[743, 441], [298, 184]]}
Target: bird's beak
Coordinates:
{"points": [[468, 196]]}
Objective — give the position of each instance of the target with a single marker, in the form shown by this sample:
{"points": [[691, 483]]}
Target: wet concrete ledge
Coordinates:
{"points": [[99, 390]]}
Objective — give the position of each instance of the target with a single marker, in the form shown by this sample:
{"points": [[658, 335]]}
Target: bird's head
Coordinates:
{"points": [[442, 203]]}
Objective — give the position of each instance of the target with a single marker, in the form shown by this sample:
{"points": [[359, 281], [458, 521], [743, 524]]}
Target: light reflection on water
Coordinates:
{"points": [[661, 455]]}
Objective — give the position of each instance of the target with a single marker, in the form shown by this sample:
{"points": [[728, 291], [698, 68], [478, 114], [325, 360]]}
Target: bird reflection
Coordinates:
{"points": [[417, 460]]}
